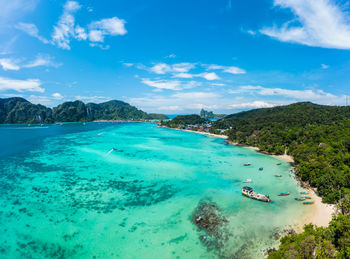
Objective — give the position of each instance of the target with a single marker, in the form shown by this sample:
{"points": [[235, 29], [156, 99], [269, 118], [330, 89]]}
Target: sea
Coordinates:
{"points": [[132, 190]]}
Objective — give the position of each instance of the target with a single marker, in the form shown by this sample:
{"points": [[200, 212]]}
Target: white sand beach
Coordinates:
{"points": [[320, 214]]}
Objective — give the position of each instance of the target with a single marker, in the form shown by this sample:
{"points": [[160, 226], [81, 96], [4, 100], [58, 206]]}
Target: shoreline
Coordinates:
{"points": [[320, 213]]}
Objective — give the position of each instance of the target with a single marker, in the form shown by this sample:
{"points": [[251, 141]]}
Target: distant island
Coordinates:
{"points": [[18, 110], [210, 115], [318, 138]]}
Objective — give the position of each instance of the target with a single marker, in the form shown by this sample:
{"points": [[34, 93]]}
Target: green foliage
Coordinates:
{"points": [[184, 120], [157, 116], [19, 110], [330, 242], [317, 136], [70, 112]]}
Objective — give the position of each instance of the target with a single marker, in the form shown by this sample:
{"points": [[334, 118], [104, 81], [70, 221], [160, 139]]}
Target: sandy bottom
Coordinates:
{"points": [[320, 214]]}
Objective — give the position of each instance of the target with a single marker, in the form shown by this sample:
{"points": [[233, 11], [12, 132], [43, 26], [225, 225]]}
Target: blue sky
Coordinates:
{"points": [[176, 56]]}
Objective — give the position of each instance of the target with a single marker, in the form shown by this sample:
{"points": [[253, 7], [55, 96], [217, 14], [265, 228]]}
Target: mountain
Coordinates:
{"points": [[19, 110], [210, 115], [317, 136], [70, 112]]}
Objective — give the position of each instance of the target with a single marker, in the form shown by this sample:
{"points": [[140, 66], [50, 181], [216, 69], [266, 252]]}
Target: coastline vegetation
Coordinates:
{"points": [[183, 121], [18, 110], [318, 138]]}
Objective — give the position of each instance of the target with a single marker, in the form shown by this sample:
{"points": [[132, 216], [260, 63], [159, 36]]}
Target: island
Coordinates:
{"points": [[318, 139], [18, 110], [210, 115]]}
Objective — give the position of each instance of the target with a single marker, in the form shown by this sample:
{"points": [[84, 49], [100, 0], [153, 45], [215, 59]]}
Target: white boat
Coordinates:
{"points": [[248, 181]]}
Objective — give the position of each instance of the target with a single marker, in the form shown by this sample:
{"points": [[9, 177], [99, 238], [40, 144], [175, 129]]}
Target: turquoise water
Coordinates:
{"points": [[63, 194]]}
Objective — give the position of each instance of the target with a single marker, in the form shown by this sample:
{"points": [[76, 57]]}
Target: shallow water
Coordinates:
{"points": [[64, 193]]}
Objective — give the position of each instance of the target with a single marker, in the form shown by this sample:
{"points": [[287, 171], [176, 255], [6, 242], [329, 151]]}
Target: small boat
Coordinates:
{"points": [[308, 202], [261, 168], [307, 197], [304, 193], [279, 164], [283, 194], [247, 164], [278, 175], [248, 181], [300, 199], [248, 192]]}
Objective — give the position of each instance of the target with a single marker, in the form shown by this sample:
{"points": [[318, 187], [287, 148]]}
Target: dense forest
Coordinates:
{"points": [[317, 136], [317, 242], [19, 110], [183, 120]]}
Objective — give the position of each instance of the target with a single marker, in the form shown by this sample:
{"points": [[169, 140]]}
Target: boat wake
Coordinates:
{"points": [[110, 151]]}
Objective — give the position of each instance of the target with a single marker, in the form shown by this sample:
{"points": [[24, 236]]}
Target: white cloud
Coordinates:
{"points": [[324, 66], [171, 56], [64, 29], [29, 85], [182, 67], [184, 101], [31, 30], [210, 76], [112, 26], [314, 95], [255, 104], [318, 23], [42, 60], [296, 94], [96, 36], [184, 75], [93, 99], [128, 64], [217, 84], [80, 33], [227, 69], [175, 85], [17, 64], [57, 96], [9, 64], [251, 32], [162, 68]]}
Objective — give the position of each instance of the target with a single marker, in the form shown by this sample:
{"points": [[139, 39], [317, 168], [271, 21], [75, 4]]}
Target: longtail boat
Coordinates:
{"points": [[278, 175], [283, 193], [304, 193], [247, 164], [308, 202], [300, 199], [248, 192]]}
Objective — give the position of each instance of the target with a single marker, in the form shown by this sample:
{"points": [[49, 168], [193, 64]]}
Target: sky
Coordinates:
{"points": [[176, 56]]}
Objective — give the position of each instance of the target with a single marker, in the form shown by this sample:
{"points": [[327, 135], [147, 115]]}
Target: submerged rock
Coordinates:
{"points": [[209, 219]]}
